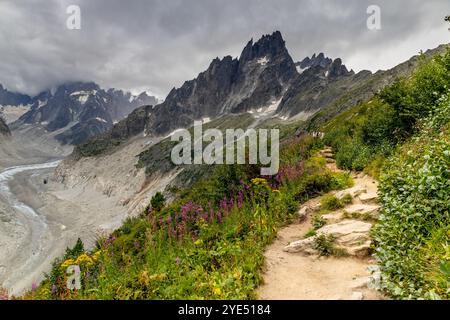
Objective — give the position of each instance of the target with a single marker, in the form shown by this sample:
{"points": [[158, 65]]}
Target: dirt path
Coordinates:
{"points": [[295, 270]]}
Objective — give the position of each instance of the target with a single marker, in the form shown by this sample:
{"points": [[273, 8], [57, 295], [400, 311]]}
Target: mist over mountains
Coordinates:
{"points": [[74, 111]]}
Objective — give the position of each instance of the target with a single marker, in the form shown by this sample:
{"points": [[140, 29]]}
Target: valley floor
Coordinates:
{"points": [[39, 220]]}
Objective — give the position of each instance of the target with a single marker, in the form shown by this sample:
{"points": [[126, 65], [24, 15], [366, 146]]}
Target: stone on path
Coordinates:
{"points": [[363, 209], [368, 197], [304, 245], [357, 296], [349, 235], [303, 213], [345, 228]]}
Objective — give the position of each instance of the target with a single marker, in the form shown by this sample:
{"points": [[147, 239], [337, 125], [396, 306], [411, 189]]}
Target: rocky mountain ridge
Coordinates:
{"points": [[265, 82], [258, 78], [75, 111]]}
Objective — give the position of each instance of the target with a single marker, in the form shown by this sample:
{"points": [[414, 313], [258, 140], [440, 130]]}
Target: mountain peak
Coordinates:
{"points": [[316, 60], [270, 45], [338, 69]]}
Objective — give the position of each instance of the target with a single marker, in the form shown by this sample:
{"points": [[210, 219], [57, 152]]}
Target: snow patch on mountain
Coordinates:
{"points": [[300, 70], [267, 110], [101, 119], [263, 61]]}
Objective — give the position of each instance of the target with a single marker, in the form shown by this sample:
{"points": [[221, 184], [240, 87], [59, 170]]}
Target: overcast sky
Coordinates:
{"points": [[155, 45]]}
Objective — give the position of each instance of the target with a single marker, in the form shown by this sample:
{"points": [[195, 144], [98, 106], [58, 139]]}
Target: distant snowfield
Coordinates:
{"points": [[266, 111], [83, 96], [301, 70]]}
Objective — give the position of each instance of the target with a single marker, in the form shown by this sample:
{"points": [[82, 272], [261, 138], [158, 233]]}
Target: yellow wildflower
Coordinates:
{"points": [[144, 278], [84, 259], [96, 255], [259, 181], [67, 263]]}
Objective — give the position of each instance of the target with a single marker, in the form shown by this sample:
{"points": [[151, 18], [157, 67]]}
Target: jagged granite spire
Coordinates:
{"points": [[260, 75], [319, 60], [268, 46]]}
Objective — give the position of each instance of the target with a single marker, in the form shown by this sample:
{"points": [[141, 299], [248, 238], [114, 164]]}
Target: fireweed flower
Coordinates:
{"points": [[3, 294], [54, 289]]}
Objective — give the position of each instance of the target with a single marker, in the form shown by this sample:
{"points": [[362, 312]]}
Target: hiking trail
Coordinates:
{"points": [[294, 268]]}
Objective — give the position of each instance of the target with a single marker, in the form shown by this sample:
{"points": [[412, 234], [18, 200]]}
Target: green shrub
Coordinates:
{"points": [[310, 233], [324, 244], [346, 199], [413, 231], [158, 201], [330, 202], [414, 98], [317, 221]]}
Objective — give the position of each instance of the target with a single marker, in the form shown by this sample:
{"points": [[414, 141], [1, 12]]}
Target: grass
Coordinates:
{"points": [[310, 233], [317, 221], [207, 244]]}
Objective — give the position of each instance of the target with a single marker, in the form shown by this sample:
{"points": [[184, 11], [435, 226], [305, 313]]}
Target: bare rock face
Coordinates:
{"points": [[12, 98], [314, 61], [4, 130], [81, 110]]}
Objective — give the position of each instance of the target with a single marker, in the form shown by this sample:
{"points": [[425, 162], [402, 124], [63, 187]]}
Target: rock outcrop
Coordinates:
{"points": [[257, 79], [319, 60], [4, 130]]}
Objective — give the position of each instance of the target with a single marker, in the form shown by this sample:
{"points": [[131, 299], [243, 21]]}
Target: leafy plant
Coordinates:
{"points": [[310, 233], [412, 234], [330, 202], [324, 244], [317, 221], [158, 202]]}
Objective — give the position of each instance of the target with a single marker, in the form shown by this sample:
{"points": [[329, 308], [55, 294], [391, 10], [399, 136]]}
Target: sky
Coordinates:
{"points": [[155, 45]]}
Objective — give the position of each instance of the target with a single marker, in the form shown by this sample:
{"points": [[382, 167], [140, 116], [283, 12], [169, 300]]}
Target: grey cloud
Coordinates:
{"points": [[156, 44]]}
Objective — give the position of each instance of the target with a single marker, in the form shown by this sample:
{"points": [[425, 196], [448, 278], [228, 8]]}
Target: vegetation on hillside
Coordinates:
{"points": [[208, 244], [413, 234], [402, 136]]}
